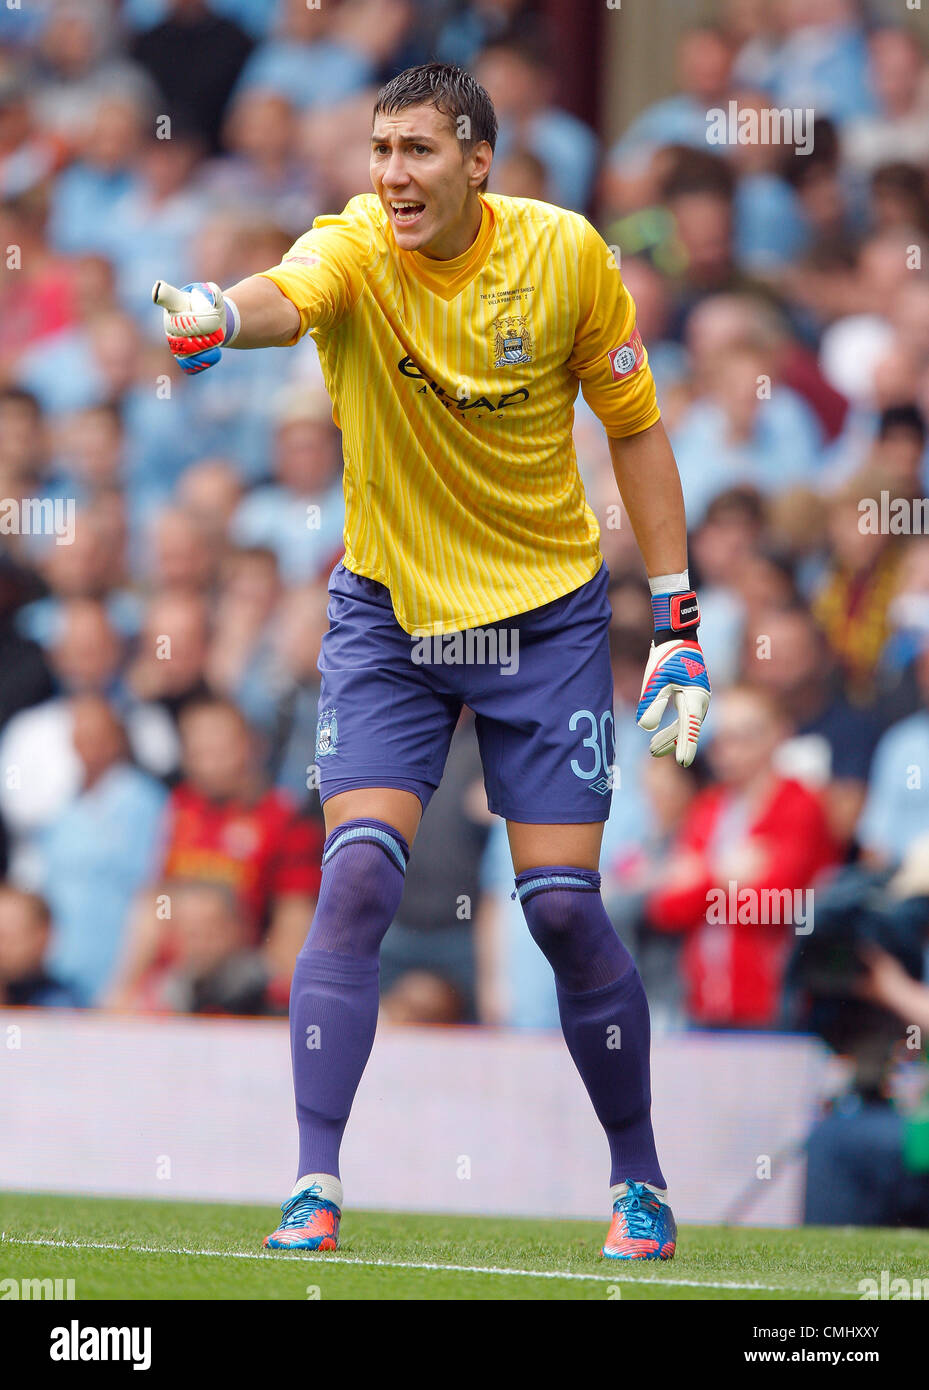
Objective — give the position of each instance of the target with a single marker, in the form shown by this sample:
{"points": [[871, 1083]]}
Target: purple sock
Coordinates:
{"points": [[603, 1009], [334, 993]]}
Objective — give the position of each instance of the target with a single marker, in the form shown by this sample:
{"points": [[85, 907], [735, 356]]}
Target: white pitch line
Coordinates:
{"points": [[328, 1257]]}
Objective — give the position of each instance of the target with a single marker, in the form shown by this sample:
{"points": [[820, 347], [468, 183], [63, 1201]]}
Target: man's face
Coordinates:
{"points": [[745, 738], [424, 176], [217, 753], [23, 939]]}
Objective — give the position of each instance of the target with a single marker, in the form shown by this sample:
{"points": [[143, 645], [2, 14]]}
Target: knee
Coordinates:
{"points": [[553, 918], [354, 885], [362, 885], [558, 904], [569, 924]]}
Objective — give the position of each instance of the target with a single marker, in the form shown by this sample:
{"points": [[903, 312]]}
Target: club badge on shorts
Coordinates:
{"points": [[327, 733]]}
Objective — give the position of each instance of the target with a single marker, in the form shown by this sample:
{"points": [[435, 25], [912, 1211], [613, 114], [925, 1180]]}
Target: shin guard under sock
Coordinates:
{"points": [[603, 1010], [334, 993]]}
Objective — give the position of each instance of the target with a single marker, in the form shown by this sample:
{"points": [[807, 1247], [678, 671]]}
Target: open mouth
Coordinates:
{"points": [[407, 213]]}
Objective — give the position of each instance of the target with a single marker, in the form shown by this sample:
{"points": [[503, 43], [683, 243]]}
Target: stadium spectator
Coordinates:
{"points": [[899, 129], [823, 59], [24, 938], [153, 223], [90, 452], [25, 678], [704, 63], [91, 564], [899, 688], [833, 741], [851, 603], [301, 514], [241, 643], [434, 929], [520, 174], [335, 139], [86, 193], [825, 194], [754, 832], [313, 56], [261, 167], [291, 680], [520, 84], [866, 1154], [214, 969], [172, 53], [23, 446], [184, 555], [224, 825], [38, 300], [721, 547], [78, 61], [899, 198], [170, 660], [725, 322], [209, 492], [41, 769], [896, 811], [422, 997], [99, 851], [744, 431], [29, 155], [470, 28]]}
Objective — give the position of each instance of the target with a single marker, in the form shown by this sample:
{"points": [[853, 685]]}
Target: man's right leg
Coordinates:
{"points": [[334, 994], [382, 736]]}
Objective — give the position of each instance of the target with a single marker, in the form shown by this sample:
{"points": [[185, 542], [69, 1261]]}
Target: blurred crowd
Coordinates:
{"points": [[161, 828]]}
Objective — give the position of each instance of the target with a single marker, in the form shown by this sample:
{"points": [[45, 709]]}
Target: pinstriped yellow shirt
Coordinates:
{"points": [[453, 383]]}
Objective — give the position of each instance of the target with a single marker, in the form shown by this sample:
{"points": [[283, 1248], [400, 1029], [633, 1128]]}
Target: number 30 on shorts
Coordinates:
{"points": [[600, 740]]}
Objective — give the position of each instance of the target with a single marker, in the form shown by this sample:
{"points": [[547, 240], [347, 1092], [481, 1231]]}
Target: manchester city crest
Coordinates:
{"points": [[327, 733], [512, 341]]}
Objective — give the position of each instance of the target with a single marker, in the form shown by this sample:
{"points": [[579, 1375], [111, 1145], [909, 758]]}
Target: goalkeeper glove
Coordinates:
{"points": [[676, 667], [198, 322]]}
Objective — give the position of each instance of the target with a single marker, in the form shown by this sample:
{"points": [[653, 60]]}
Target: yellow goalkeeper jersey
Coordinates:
{"points": [[453, 383]]}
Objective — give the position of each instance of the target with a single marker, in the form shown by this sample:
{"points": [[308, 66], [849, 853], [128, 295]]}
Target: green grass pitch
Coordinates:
{"points": [[178, 1250]]}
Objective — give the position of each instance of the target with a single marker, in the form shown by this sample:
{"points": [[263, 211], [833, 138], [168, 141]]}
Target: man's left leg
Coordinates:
{"points": [[604, 1017], [601, 999], [546, 730]]}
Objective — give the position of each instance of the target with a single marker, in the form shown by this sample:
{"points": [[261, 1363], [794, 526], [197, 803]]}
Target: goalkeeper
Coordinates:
{"points": [[454, 328]]}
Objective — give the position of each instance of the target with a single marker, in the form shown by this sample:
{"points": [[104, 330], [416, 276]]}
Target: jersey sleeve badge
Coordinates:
{"points": [[628, 357]]}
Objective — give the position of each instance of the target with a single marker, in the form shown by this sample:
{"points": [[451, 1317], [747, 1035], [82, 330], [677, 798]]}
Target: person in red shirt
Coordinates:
{"points": [[757, 831], [224, 826]]}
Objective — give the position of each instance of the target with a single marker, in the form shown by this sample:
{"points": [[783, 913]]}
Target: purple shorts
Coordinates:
{"points": [[540, 685]]}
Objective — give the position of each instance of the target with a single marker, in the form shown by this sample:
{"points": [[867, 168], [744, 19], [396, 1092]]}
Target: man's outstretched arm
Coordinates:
{"points": [[200, 319], [267, 318]]}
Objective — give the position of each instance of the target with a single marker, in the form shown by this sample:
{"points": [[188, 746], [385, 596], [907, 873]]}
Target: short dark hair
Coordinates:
{"points": [[208, 703], [902, 417], [18, 395], [450, 90]]}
